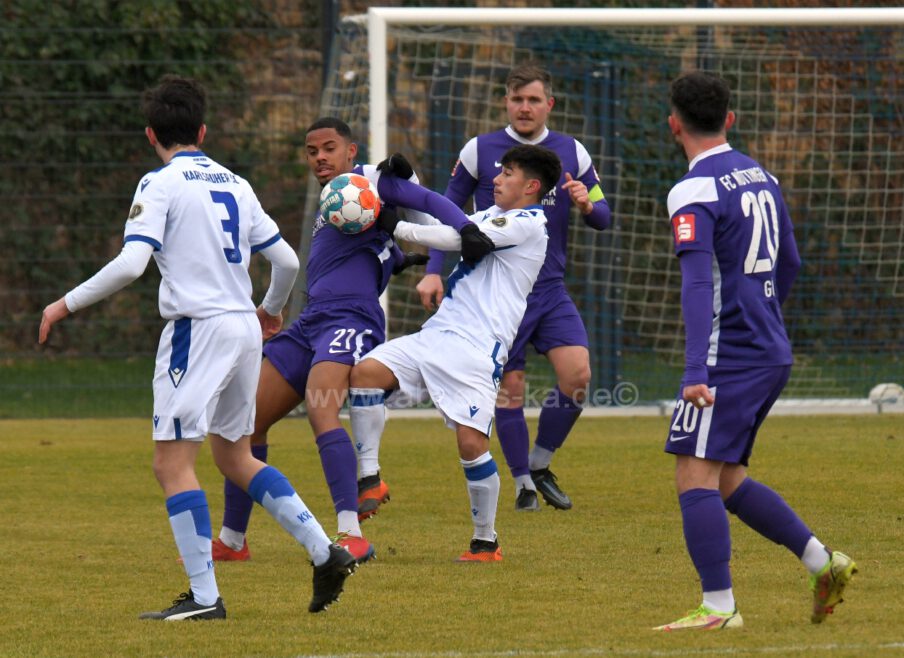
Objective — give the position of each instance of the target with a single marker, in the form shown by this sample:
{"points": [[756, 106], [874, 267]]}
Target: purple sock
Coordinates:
{"points": [[766, 512], [707, 536], [511, 428], [557, 417], [340, 466], [237, 505]]}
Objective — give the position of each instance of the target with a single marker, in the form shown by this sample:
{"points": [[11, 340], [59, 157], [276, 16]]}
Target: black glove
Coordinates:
{"points": [[410, 258], [387, 220], [397, 165], [474, 244]]}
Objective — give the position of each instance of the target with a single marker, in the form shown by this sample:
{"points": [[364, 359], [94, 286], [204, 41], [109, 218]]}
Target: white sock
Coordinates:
{"points": [[719, 600], [348, 523], [815, 555], [540, 458], [524, 482], [273, 491], [483, 489], [367, 413], [189, 518], [232, 538]]}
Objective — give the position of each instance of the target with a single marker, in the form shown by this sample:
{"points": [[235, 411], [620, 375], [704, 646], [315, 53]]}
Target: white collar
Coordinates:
{"points": [[518, 138]]}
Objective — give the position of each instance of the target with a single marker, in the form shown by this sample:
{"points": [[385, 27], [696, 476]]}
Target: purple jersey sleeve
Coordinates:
{"points": [[788, 261], [460, 188], [697, 308], [405, 194]]}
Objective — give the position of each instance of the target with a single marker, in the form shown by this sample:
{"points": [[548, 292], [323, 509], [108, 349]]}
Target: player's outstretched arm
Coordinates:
{"points": [[283, 271], [115, 275]]}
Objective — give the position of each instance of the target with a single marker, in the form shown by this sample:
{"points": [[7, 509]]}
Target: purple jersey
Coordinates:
{"points": [[479, 163], [342, 265], [731, 208], [359, 265]]}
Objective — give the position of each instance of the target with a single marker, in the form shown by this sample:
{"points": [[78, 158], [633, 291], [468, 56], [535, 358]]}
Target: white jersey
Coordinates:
{"points": [[485, 303], [204, 223]]}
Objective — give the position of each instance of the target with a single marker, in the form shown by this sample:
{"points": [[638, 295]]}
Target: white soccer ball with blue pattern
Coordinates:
{"points": [[350, 203]]}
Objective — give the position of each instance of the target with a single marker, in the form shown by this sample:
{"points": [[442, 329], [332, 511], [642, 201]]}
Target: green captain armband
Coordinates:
{"points": [[595, 194]]}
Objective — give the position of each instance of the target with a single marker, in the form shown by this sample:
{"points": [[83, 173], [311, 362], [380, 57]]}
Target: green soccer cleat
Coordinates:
{"points": [[704, 619], [828, 585]]}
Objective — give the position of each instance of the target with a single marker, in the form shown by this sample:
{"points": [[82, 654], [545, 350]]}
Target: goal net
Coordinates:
{"points": [[819, 106]]}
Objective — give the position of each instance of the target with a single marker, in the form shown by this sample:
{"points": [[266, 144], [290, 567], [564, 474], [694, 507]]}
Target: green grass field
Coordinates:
{"points": [[87, 546]]}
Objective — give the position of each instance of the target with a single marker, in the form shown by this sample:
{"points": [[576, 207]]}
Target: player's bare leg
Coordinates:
{"points": [[275, 399], [558, 415], [483, 490]]}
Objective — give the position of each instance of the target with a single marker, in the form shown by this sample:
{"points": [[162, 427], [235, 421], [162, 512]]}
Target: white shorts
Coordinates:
{"points": [[461, 379], [206, 377]]}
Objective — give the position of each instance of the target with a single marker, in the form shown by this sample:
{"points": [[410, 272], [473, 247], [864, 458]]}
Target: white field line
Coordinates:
{"points": [[864, 649]]}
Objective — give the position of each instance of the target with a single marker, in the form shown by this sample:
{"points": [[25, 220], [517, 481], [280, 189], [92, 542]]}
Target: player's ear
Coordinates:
{"points": [[352, 151], [551, 102], [152, 137], [729, 120], [674, 124], [202, 133], [532, 188]]}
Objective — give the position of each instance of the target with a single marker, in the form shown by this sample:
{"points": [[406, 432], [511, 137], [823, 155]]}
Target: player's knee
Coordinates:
{"points": [[364, 374], [511, 390], [576, 382]]}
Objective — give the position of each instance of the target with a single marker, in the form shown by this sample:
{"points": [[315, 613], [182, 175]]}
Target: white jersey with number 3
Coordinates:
{"points": [[204, 223]]}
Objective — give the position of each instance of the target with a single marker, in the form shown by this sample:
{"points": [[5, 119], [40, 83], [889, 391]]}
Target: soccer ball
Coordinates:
{"points": [[350, 203], [887, 393]]}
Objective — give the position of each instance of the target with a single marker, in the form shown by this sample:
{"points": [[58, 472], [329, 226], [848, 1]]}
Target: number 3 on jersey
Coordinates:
{"points": [[231, 225]]}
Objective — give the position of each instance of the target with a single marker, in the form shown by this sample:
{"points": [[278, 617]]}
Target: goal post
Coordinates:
{"points": [[818, 95]]}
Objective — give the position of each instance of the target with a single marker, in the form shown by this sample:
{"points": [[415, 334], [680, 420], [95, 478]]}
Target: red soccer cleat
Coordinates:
{"points": [[482, 551], [361, 549], [222, 553], [372, 492]]}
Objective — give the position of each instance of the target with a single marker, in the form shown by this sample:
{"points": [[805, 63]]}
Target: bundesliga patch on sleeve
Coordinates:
{"points": [[685, 228]]}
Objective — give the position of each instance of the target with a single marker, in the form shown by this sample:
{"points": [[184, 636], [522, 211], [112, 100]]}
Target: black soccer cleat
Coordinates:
{"points": [[185, 608], [330, 576], [546, 485], [527, 501]]}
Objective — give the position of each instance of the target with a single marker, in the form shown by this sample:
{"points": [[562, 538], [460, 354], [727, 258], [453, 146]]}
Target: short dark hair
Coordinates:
{"points": [[524, 74], [536, 162], [701, 100], [174, 109], [331, 122]]}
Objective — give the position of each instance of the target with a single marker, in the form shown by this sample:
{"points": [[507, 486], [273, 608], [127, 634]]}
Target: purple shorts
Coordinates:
{"points": [[341, 330], [551, 320], [726, 431]]}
